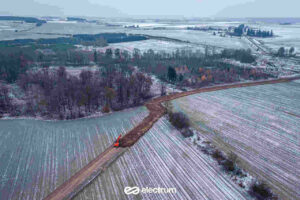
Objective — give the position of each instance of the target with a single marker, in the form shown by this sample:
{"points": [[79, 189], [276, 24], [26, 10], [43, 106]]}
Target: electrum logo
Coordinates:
{"points": [[148, 190], [132, 190]]}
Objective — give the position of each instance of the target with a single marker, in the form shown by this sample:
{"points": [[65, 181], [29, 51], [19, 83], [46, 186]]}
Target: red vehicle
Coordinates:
{"points": [[117, 143]]}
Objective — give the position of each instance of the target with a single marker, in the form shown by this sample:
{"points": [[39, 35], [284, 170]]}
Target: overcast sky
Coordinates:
{"points": [[185, 8]]}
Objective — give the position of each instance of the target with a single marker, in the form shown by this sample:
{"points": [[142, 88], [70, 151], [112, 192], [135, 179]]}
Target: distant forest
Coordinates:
{"points": [[24, 19], [242, 29], [86, 39]]}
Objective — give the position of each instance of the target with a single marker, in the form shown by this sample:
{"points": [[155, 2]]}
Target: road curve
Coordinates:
{"points": [[83, 177]]}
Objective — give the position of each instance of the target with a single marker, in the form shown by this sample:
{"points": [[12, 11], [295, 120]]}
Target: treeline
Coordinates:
{"points": [[241, 55], [206, 76], [259, 33], [283, 52], [209, 28], [58, 94], [78, 39], [24, 19], [76, 19], [238, 31], [195, 69], [245, 30]]}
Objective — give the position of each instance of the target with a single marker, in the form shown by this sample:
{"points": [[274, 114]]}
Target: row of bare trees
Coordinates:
{"points": [[57, 93]]}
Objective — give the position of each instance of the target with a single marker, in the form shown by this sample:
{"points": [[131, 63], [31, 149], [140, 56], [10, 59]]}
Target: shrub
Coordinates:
{"points": [[187, 132], [179, 120], [260, 190], [228, 165], [218, 156]]}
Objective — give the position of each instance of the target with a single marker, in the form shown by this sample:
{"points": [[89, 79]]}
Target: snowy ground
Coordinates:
{"points": [[286, 36], [145, 45], [260, 124], [156, 45], [198, 37], [38, 156], [156, 87], [163, 158]]}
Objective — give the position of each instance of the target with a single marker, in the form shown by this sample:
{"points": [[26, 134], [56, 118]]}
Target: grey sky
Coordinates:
{"points": [[187, 8]]}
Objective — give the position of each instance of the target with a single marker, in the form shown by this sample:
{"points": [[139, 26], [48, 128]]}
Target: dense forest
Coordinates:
{"points": [[85, 39], [24, 19], [56, 93], [116, 80], [196, 69]]}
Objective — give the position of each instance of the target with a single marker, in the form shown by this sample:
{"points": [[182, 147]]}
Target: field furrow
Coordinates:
{"points": [[38, 156], [259, 123], [163, 158]]}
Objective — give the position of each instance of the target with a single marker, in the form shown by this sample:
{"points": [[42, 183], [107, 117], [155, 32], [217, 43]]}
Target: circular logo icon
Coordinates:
{"points": [[132, 190]]}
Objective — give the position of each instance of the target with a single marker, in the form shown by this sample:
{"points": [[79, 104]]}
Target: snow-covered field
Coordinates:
{"points": [[51, 30], [197, 37], [145, 45], [38, 156], [260, 124], [156, 45], [163, 158], [286, 36]]}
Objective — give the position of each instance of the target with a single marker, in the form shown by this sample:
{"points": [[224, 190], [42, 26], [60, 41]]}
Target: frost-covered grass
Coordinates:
{"points": [[163, 158], [38, 156], [260, 124]]}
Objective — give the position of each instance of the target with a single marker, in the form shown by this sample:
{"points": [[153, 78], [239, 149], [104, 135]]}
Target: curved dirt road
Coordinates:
{"points": [[77, 182]]}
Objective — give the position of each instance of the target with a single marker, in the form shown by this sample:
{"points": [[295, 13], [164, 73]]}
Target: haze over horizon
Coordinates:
{"points": [[132, 8]]}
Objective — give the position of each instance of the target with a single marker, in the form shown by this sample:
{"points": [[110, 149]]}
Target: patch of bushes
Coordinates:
{"points": [[218, 156], [187, 132], [261, 191], [258, 190], [229, 164], [242, 55], [179, 120]]}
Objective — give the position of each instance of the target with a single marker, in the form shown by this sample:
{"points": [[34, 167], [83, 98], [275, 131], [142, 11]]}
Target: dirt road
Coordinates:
{"points": [[77, 182], [157, 110], [71, 187]]}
